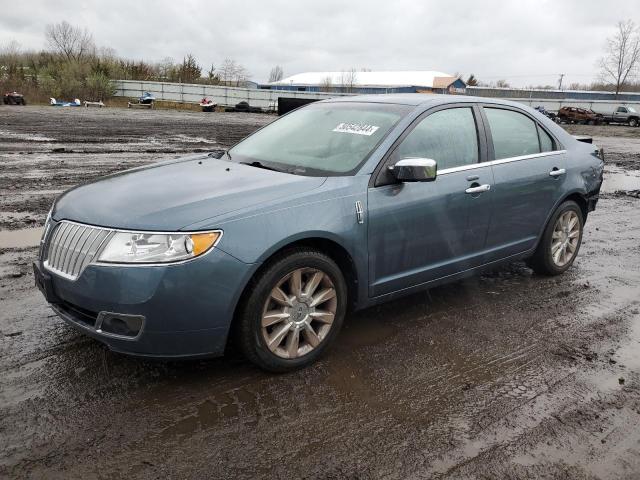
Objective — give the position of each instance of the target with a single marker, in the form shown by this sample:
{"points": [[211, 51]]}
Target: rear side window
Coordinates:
{"points": [[447, 136], [513, 133]]}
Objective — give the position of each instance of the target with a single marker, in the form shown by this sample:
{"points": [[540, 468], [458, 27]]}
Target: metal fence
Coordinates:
{"points": [[230, 96], [226, 96]]}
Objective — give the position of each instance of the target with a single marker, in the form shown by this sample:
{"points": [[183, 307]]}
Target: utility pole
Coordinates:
{"points": [[560, 81]]}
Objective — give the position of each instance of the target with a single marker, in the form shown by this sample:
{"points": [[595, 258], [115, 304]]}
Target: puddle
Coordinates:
{"points": [[616, 179], [28, 237]]}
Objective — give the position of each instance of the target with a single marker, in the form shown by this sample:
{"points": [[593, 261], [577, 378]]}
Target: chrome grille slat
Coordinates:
{"points": [[67, 247], [61, 245], [82, 252], [50, 249], [53, 245], [77, 249], [72, 247]]}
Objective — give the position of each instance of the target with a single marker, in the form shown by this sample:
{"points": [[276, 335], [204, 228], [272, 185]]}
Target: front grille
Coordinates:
{"points": [[72, 247]]}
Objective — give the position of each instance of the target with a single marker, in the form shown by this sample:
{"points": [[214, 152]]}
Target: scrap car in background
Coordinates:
{"points": [[340, 205], [13, 98], [579, 115]]}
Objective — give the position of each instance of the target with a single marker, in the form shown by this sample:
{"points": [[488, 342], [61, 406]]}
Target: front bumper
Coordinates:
{"points": [[185, 310]]}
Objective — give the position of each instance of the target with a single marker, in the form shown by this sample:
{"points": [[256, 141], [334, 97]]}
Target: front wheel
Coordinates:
{"points": [[633, 122], [294, 311], [560, 241]]}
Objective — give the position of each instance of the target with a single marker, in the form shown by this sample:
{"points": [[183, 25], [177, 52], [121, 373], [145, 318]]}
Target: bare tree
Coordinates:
{"points": [[241, 75], [73, 43], [348, 79], [622, 55], [228, 70], [502, 84], [326, 85], [232, 73], [276, 74]]}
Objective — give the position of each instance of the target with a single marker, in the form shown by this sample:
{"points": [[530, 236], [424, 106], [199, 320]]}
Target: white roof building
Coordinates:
{"points": [[411, 78]]}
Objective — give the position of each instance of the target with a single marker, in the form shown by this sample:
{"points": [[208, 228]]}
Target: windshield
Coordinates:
{"points": [[321, 138], [631, 109]]}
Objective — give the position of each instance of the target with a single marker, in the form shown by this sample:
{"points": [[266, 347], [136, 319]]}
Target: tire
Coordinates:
{"points": [[543, 261], [633, 122], [262, 321]]}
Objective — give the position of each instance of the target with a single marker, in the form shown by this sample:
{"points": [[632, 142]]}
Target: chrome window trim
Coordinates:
{"points": [[112, 231], [490, 163]]}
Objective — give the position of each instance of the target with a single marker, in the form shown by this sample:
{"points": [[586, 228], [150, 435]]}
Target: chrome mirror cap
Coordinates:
{"points": [[415, 170]]}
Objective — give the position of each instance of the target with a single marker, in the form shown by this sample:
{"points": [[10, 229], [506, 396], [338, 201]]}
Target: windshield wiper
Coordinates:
{"points": [[261, 165]]}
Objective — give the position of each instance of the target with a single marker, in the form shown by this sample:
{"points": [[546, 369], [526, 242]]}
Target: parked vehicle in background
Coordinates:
{"points": [[578, 115], [14, 98], [339, 205], [546, 112], [623, 114]]}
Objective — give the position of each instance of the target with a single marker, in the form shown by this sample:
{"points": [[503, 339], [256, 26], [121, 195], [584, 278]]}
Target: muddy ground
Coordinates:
{"points": [[509, 375]]}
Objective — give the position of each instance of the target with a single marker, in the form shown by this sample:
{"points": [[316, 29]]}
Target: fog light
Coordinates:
{"points": [[120, 324]]}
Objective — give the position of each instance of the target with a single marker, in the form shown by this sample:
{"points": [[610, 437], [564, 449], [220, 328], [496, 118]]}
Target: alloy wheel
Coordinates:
{"points": [[299, 313], [565, 238]]}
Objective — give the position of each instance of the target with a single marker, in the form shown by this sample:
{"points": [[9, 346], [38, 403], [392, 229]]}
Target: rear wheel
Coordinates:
{"points": [[294, 312], [560, 241]]}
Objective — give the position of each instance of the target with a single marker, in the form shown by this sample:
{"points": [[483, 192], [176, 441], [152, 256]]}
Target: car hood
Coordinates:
{"points": [[171, 195]]}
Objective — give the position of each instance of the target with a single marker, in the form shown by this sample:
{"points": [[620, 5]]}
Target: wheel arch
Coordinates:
{"points": [[329, 246], [577, 196]]}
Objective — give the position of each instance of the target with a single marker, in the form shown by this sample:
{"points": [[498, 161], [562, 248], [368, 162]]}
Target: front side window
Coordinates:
{"points": [[513, 133], [622, 110], [447, 136], [320, 139]]}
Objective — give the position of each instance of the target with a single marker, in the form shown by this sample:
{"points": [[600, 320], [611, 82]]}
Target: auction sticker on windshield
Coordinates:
{"points": [[356, 128]]}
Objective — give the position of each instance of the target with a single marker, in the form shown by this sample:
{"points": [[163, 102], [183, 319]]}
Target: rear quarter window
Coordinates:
{"points": [[546, 142]]}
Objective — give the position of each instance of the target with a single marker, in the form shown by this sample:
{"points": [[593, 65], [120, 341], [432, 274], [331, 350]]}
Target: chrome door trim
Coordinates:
{"points": [[499, 162]]}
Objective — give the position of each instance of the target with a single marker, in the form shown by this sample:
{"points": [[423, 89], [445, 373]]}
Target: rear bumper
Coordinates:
{"points": [[183, 311]]}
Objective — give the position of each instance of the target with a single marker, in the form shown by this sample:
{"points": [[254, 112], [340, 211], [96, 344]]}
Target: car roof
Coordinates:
{"points": [[419, 99]]}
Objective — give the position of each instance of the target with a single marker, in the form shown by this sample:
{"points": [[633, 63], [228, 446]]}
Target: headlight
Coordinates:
{"points": [[143, 247]]}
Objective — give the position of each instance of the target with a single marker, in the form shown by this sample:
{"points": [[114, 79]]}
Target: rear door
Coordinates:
{"points": [[422, 231], [529, 172]]}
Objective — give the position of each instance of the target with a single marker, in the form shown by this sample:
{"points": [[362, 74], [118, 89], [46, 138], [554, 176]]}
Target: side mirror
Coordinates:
{"points": [[415, 170]]}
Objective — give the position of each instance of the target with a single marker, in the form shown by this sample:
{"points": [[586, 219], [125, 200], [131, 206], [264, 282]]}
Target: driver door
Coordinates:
{"points": [[422, 231]]}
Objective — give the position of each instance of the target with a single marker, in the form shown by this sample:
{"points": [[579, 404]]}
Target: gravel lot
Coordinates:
{"points": [[509, 375]]}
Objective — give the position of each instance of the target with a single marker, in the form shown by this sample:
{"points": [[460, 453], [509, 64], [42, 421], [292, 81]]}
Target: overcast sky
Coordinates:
{"points": [[524, 41]]}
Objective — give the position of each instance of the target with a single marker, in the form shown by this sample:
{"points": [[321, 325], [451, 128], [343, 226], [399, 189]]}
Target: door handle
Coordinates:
{"points": [[479, 189], [557, 172]]}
